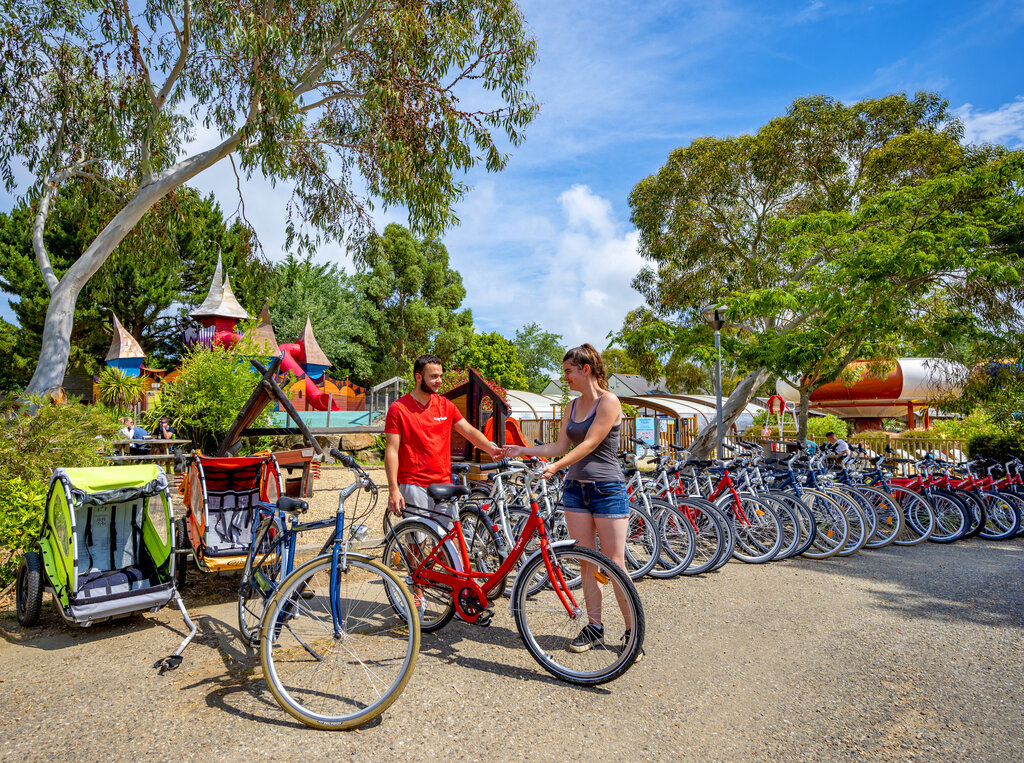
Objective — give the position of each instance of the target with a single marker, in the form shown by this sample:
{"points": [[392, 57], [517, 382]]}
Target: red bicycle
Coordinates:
{"points": [[577, 641]]}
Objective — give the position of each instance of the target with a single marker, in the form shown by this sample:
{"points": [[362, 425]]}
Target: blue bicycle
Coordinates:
{"points": [[338, 635]]}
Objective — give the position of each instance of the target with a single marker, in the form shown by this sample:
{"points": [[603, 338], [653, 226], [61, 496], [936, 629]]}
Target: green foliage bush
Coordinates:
{"points": [[21, 515], [212, 385], [997, 445]]}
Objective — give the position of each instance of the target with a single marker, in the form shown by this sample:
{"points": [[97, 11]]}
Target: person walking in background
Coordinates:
{"points": [[596, 506]]}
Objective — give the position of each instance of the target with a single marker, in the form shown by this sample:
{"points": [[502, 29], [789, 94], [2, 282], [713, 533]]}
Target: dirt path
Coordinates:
{"points": [[890, 655]]}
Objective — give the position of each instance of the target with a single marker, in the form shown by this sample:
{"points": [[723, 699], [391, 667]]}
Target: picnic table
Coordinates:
{"points": [[160, 452]]}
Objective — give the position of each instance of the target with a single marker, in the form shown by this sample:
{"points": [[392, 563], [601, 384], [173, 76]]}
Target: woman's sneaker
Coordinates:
{"points": [[625, 642], [590, 636]]}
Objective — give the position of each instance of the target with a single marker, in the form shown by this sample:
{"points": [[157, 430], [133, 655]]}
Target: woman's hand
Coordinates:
{"points": [[514, 451], [550, 471]]}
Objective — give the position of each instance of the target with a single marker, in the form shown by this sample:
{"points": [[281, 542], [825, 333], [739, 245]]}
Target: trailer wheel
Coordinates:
{"points": [[30, 589]]}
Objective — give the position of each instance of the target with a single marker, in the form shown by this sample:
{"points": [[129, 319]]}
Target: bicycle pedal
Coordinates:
{"points": [[485, 618]]}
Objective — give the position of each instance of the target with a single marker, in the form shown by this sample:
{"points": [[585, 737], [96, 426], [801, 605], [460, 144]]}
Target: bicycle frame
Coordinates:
{"points": [[432, 571]]}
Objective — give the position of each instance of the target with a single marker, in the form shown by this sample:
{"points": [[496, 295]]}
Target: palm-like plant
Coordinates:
{"points": [[118, 390]]}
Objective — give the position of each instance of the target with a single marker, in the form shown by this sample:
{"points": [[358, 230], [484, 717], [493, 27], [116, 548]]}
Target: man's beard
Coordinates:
{"points": [[425, 388]]}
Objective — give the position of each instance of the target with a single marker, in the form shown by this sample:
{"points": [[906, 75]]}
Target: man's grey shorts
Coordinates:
{"points": [[419, 503]]}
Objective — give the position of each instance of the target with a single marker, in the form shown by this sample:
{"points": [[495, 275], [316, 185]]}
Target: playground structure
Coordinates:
{"points": [[219, 315], [912, 385]]}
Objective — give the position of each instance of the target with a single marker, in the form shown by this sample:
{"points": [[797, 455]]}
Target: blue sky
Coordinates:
{"points": [[622, 84]]}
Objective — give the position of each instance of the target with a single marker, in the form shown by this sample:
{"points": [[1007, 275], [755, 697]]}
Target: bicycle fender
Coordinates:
{"points": [[441, 530]]}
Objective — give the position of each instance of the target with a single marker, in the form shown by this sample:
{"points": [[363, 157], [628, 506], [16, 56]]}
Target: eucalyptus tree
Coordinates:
{"points": [[346, 101], [709, 222]]}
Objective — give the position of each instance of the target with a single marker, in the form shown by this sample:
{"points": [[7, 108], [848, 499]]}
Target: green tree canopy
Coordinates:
{"points": [[495, 358], [779, 226], [346, 102], [541, 354], [413, 301], [160, 271]]}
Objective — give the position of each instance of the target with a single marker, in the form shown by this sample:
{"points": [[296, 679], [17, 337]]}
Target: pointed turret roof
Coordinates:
{"points": [[264, 332], [220, 301], [314, 354], [123, 346]]}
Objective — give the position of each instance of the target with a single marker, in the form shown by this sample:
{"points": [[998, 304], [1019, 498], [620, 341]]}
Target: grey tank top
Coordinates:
{"points": [[601, 465]]}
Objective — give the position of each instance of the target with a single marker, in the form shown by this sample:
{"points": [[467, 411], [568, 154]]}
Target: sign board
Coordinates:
{"points": [[645, 431]]}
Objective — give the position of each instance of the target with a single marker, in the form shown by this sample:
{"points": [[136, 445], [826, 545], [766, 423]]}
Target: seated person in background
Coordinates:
{"points": [[163, 430], [836, 446], [132, 432]]}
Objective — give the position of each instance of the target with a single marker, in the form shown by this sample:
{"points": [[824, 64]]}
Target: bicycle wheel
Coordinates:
{"points": [[758, 530], [975, 505], [859, 531], [919, 519], [888, 517], [709, 528], [832, 526], [790, 525], [485, 552], [951, 517], [643, 542], [548, 626], [1002, 518], [410, 542], [805, 520], [678, 542], [339, 657], [260, 576]]}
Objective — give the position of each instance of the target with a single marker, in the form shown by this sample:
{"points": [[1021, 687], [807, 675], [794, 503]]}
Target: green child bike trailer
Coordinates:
{"points": [[220, 497], [106, 549]]}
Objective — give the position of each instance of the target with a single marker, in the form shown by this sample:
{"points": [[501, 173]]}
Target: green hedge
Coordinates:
{"points": [[997, 446]]}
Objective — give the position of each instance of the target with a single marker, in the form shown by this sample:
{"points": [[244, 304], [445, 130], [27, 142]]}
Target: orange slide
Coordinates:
{"points": [[317, 400]]}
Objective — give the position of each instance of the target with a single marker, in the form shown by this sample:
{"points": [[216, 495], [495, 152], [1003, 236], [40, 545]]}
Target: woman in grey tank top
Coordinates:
{"points": [[596, 506]]}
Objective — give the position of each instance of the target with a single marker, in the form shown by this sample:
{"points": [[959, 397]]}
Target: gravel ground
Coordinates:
{"points": [[899, 654]]}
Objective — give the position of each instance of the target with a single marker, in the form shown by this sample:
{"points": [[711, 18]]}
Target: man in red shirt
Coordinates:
{"points": [[418, 432]]}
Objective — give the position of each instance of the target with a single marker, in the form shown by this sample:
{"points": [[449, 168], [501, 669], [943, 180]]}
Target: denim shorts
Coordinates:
{"points": [[601, 499]]}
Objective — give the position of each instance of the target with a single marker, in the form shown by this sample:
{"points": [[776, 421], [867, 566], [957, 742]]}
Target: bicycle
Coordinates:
{"points": [[338, 636], [546, 612]]}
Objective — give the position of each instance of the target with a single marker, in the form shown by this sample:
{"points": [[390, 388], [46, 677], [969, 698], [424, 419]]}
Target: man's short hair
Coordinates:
{"points": [[423, 361], [830, 434]]}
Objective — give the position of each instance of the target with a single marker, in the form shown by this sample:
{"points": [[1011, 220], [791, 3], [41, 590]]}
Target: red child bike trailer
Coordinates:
{"points": [[220, 496]]}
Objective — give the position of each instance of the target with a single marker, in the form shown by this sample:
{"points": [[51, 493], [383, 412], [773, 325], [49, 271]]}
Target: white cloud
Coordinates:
{"points": [[1005, 125]]}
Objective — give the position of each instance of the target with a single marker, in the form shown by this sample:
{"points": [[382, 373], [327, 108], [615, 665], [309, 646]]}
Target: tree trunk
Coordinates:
{"points": [[705, 443], [801, 418], [60, 313]]}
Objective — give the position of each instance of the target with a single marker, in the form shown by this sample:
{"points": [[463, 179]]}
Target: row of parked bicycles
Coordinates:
{"points": [[338, 635]]}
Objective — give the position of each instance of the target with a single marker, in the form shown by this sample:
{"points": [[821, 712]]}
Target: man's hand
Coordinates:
{"points": [[396, 502], [495, 452]]}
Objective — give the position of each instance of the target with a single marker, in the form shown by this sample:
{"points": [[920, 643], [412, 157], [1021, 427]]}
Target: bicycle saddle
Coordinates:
{"points": [[446, 492], [291, 505]]}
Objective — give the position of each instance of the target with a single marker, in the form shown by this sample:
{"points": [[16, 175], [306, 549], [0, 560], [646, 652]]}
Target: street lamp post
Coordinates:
{"points": [[715, 315]]}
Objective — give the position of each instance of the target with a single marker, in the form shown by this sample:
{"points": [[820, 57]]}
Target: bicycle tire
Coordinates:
{"points": [[547, 628], [918, 516], [855, 516], [678, 543], [375, 653], [667, 565], [975, 505], [808, 527], [259, 579], [710, 529], [951, 517], [438, 606], [758, 533], [643, 542], [888, 517], [482, 543], [790, 525], [1002, 517], [832, 526]]}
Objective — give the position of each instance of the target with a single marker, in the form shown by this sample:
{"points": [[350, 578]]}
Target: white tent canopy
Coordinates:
{"points": [[531, 406]]}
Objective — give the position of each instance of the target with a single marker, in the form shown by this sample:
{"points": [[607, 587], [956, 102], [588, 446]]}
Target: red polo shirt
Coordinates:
{"points": [[425, 452]]}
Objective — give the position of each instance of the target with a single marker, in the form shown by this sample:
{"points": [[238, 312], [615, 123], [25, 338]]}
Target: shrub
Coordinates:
{"points": [[212, 385], [997, 445], [119, 390], [21, 515]]}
